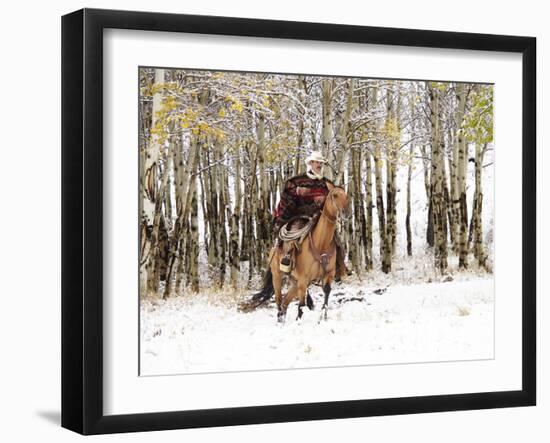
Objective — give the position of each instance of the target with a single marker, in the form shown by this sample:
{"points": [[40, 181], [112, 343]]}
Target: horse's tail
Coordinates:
{"points": [[259, 298]]}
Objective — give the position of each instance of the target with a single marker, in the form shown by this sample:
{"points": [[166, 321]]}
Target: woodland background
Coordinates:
{"points": [[216, 147]]}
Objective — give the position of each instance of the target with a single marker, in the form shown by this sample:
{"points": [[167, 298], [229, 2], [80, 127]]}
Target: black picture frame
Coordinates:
{"points": [[82, 216]]}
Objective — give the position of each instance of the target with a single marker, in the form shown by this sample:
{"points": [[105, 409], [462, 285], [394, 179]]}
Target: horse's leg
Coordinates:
{"points": [[326, 291], [285, 301], [301, 290], [281, 307], [300, 310], [277, 280], [309, 301]]}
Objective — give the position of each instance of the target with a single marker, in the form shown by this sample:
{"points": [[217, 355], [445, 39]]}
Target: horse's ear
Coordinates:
{"points": [[338, 184], [341, 185]]}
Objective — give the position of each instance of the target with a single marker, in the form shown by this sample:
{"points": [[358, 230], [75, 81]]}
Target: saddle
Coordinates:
{"points": [[292, 234]]}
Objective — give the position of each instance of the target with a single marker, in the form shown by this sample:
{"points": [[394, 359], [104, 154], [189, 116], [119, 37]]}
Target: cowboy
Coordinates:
{"points": [[304, 195]]}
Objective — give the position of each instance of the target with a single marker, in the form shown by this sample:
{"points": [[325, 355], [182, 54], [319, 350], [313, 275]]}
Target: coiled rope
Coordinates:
{"points": [[286, 234]]}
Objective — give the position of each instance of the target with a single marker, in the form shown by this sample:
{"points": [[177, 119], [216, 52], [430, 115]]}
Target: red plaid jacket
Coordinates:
{"points": [[301, 196]]}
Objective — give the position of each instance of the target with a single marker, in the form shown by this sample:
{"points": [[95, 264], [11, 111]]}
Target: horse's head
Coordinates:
{"points": [[339, 202]]}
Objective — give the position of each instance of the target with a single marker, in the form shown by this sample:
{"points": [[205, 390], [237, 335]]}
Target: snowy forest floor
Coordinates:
{"points": [[410, 315]]}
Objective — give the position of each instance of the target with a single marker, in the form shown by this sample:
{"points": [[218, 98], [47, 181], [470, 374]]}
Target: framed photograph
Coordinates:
{"points": [[269, 221]]}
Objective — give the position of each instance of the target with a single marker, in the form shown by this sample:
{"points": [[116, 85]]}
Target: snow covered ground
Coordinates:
{"points": [[418, 322]]}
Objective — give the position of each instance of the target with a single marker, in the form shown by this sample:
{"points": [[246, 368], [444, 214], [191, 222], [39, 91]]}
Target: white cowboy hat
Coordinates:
{"points": [[315, 156]]}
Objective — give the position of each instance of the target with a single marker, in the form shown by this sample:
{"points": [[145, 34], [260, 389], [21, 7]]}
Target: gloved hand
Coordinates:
{"points": [[320, 201]]}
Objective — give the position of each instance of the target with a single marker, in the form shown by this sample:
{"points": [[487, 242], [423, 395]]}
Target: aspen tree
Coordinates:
{"points": [[327, 131], [150, 195], [479, 250], [194, 239], [408, 216], [437, 190], [369, 206], [459, 197], [343, 134], [235, 218]]}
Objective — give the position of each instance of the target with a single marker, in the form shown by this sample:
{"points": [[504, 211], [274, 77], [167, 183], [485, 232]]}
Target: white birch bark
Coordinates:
{"points": [[437, 189], [235, 218], [150, 172], [343, 134], [326, 131]]}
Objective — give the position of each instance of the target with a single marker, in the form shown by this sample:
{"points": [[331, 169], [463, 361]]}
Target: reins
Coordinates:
{"points": [[324, 257], [333, 220]]}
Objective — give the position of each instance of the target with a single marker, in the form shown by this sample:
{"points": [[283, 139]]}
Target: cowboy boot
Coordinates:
{"points": [[285, 264]]}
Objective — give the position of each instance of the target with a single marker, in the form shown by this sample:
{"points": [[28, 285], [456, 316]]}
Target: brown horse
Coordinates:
{"points": [[316, 261]]}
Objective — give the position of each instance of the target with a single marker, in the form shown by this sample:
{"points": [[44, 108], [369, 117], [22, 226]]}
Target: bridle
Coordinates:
{"points": [[331, 219], [324, 257]]}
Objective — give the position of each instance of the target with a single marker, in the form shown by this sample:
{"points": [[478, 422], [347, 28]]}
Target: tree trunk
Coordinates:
{"points": [[428, 186], [354, 246], [479, 250], [385, 254], [180, 270], [395, 109], [154, 264], [343, 134], [462, 165], [194, 239], [360, 221], [437, 190], [215, 227], [150, 199], [326, 131], [253, 201], [221, 178], [262, 214], [392, 147], [368, 240], [235, 219], [408, 216]]}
